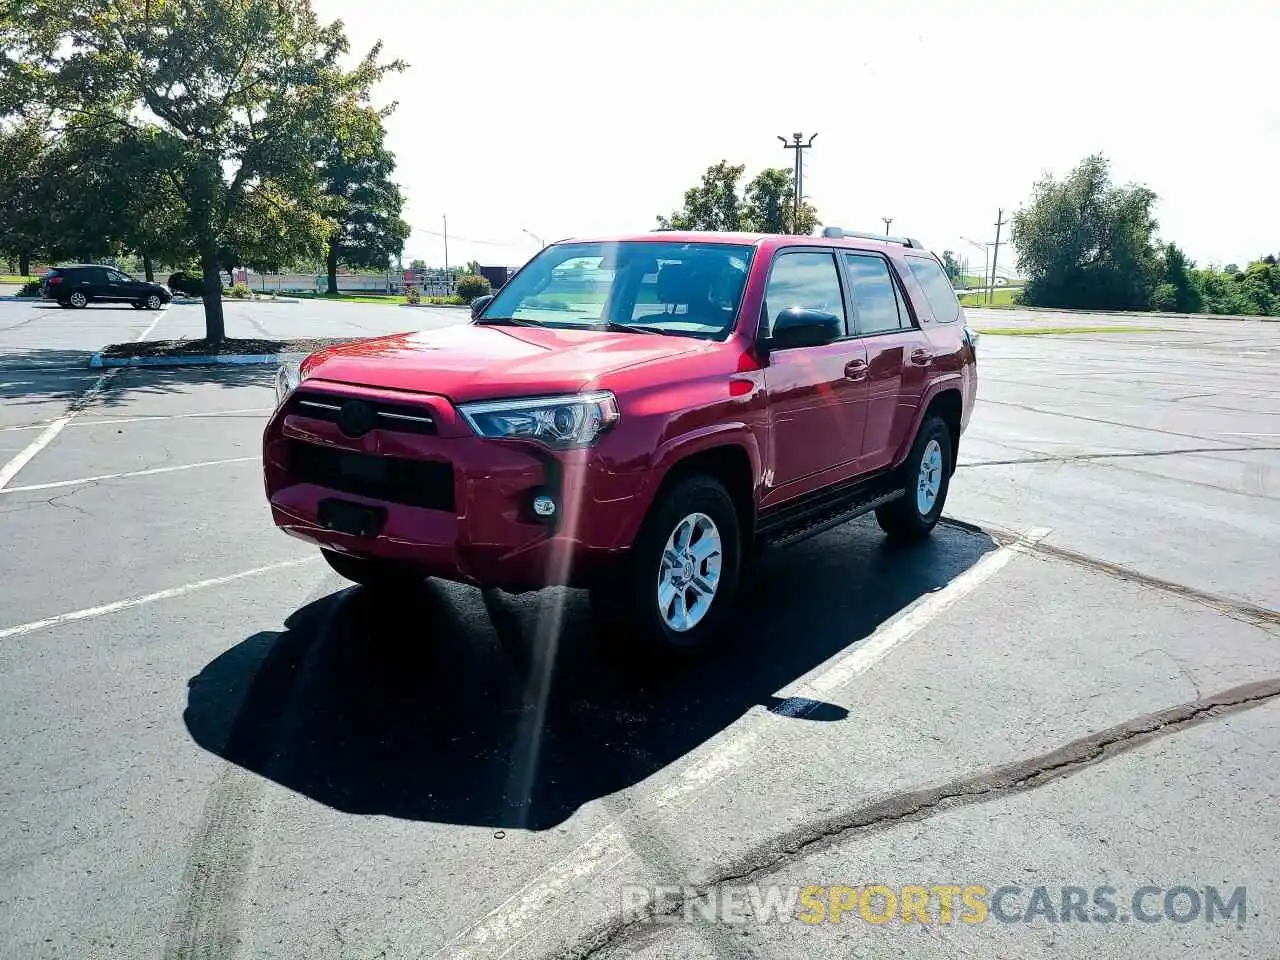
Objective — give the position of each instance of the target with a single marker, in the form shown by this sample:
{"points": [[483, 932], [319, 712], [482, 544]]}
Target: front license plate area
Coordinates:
{"points": [[353, 518]]}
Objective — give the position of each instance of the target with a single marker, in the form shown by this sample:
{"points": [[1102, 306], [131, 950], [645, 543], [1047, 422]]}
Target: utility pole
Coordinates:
{"points": [[799, 148], [991, 288], [887, 221], [446, 247]]}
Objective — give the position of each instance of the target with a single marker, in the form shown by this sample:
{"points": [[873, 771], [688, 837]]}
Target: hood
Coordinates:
{"points": [[478, 362]]}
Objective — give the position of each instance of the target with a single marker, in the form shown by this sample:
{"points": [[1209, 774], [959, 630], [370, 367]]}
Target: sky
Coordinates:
{"points": [[526, 122]]}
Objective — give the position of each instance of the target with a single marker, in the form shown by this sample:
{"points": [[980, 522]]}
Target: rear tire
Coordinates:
{"points": [[675, 592], [374, 573], [78, 300], [139, 305], [926, 478]]}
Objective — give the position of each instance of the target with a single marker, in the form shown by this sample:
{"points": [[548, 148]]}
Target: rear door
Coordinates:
{"points": [[897, 350], [817, 395]]}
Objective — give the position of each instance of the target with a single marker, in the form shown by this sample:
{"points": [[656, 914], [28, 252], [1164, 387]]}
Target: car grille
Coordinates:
{"points": [[415, 483], [400, 417]]}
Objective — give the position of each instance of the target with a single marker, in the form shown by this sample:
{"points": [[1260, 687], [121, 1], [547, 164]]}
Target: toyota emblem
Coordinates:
{"points": [[355, 419]]}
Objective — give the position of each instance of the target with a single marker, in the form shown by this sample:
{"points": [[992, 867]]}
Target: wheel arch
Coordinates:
{"points": [[728, 456], [945, 400]]}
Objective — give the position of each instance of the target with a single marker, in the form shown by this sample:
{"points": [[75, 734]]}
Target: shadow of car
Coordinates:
{"points": [[426, 709]]}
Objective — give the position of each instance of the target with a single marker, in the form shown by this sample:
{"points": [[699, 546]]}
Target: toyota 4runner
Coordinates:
{"points": [[636, 415]]}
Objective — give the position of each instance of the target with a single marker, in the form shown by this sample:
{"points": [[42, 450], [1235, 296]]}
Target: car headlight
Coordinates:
{"points": [[288, 376], [574, 420]]}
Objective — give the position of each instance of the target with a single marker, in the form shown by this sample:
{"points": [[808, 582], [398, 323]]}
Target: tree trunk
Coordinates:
{"points": [[231, 277], [24, 264], [333, 269], [147, 268], [215, 330]]}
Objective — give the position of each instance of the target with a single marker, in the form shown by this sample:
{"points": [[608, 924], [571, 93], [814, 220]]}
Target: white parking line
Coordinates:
{"points": [[500, 931], [119, 476], [112, 421], [10, 469], [106, 608]]}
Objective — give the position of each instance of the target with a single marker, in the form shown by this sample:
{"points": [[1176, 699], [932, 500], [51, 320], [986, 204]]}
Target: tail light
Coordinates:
{"points": [[55, 280]]}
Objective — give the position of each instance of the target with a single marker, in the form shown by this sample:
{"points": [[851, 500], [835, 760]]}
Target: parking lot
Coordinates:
{"points": [[212, 746]]}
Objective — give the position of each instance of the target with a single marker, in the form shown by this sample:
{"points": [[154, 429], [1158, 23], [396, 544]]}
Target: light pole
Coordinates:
{"points": [[536, 238], [799, 148], [887, 221]]}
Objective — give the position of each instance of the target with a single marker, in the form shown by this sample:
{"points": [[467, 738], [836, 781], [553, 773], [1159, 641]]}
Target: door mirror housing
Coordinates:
{"points": [[802, 327], [479, 303]]}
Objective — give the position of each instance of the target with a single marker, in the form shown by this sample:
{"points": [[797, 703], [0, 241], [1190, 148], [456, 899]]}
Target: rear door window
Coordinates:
{"points": [[875, 298], [937, 288]]}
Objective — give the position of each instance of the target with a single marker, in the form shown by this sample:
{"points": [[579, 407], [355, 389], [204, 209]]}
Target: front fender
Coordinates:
{"points": [[672, 451]]}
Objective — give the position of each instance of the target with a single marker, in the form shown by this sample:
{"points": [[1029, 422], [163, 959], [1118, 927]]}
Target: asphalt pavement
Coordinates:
{"points": [[212, 746]]}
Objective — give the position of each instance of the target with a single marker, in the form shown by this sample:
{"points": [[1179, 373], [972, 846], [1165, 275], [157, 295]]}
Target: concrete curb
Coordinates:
{"points": [[98, 361], [190, 301], [436, 306]]}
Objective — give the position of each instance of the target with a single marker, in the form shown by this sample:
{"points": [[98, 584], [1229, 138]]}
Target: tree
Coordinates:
{"points": [[712, 205], [770, 204], [114, 196], [24, 162], [765, 206], [229, 93], [1177, 291], [952, 266], [1084, 243], [364, 203]]}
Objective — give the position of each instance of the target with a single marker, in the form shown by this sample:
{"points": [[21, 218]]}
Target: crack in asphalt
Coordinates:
{"points": [[1070, 458], [1110, 423], [1237, 609], [994, 784]]}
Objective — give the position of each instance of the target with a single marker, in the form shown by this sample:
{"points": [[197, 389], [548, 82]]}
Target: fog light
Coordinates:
{"points": [[544, 506]]}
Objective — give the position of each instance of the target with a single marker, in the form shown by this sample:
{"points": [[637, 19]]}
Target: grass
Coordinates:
{"points": [[13, 278], [1055, 331], [1003, 297]]}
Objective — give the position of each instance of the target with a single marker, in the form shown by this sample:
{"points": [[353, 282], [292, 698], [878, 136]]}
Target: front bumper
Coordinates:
{"points": [[475, 524]]}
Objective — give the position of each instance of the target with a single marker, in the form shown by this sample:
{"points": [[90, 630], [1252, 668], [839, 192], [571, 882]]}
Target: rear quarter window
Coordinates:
{"points": [[937, 288]]}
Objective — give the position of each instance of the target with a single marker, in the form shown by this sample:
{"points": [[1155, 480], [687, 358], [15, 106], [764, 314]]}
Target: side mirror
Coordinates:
{"points": [[800, 327], [479, 303]]}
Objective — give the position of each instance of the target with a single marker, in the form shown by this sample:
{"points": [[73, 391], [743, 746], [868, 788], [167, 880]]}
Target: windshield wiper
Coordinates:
{"points": [[513, 321], [636, 328]]}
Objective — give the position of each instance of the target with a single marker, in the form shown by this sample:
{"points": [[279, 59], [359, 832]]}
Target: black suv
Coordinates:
{"points": [[78, 285]]}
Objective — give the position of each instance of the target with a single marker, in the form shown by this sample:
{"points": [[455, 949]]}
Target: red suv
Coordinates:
{"points": [[636, 415]]}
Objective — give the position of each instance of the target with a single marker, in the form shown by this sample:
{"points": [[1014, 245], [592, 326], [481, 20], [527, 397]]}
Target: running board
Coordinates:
{"points": [[811, 522]]}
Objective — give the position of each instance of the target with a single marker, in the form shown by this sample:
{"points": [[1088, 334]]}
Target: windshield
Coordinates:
{"points": [[689, 289]]}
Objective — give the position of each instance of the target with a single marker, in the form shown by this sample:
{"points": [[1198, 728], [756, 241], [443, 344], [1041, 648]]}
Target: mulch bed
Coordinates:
{"points": [[228, 347]]}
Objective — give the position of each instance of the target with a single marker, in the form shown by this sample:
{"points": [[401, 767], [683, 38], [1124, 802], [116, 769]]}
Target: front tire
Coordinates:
{"points": [[676, 590], [373, 573], [154, 302], [926, 478]]}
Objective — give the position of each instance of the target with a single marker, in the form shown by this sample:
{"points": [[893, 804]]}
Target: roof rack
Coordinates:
{"points": [[836, 233]]}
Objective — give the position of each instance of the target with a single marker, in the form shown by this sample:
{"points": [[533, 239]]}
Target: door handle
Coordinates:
{"points": [[855, 370], [920, 356]]}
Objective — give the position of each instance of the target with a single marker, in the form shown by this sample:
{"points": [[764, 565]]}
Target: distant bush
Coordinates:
{"points": [[412, 295], [188, 283], [238, 292], [471, 286], [31, 289], [1165, 298], [447, 301]]}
